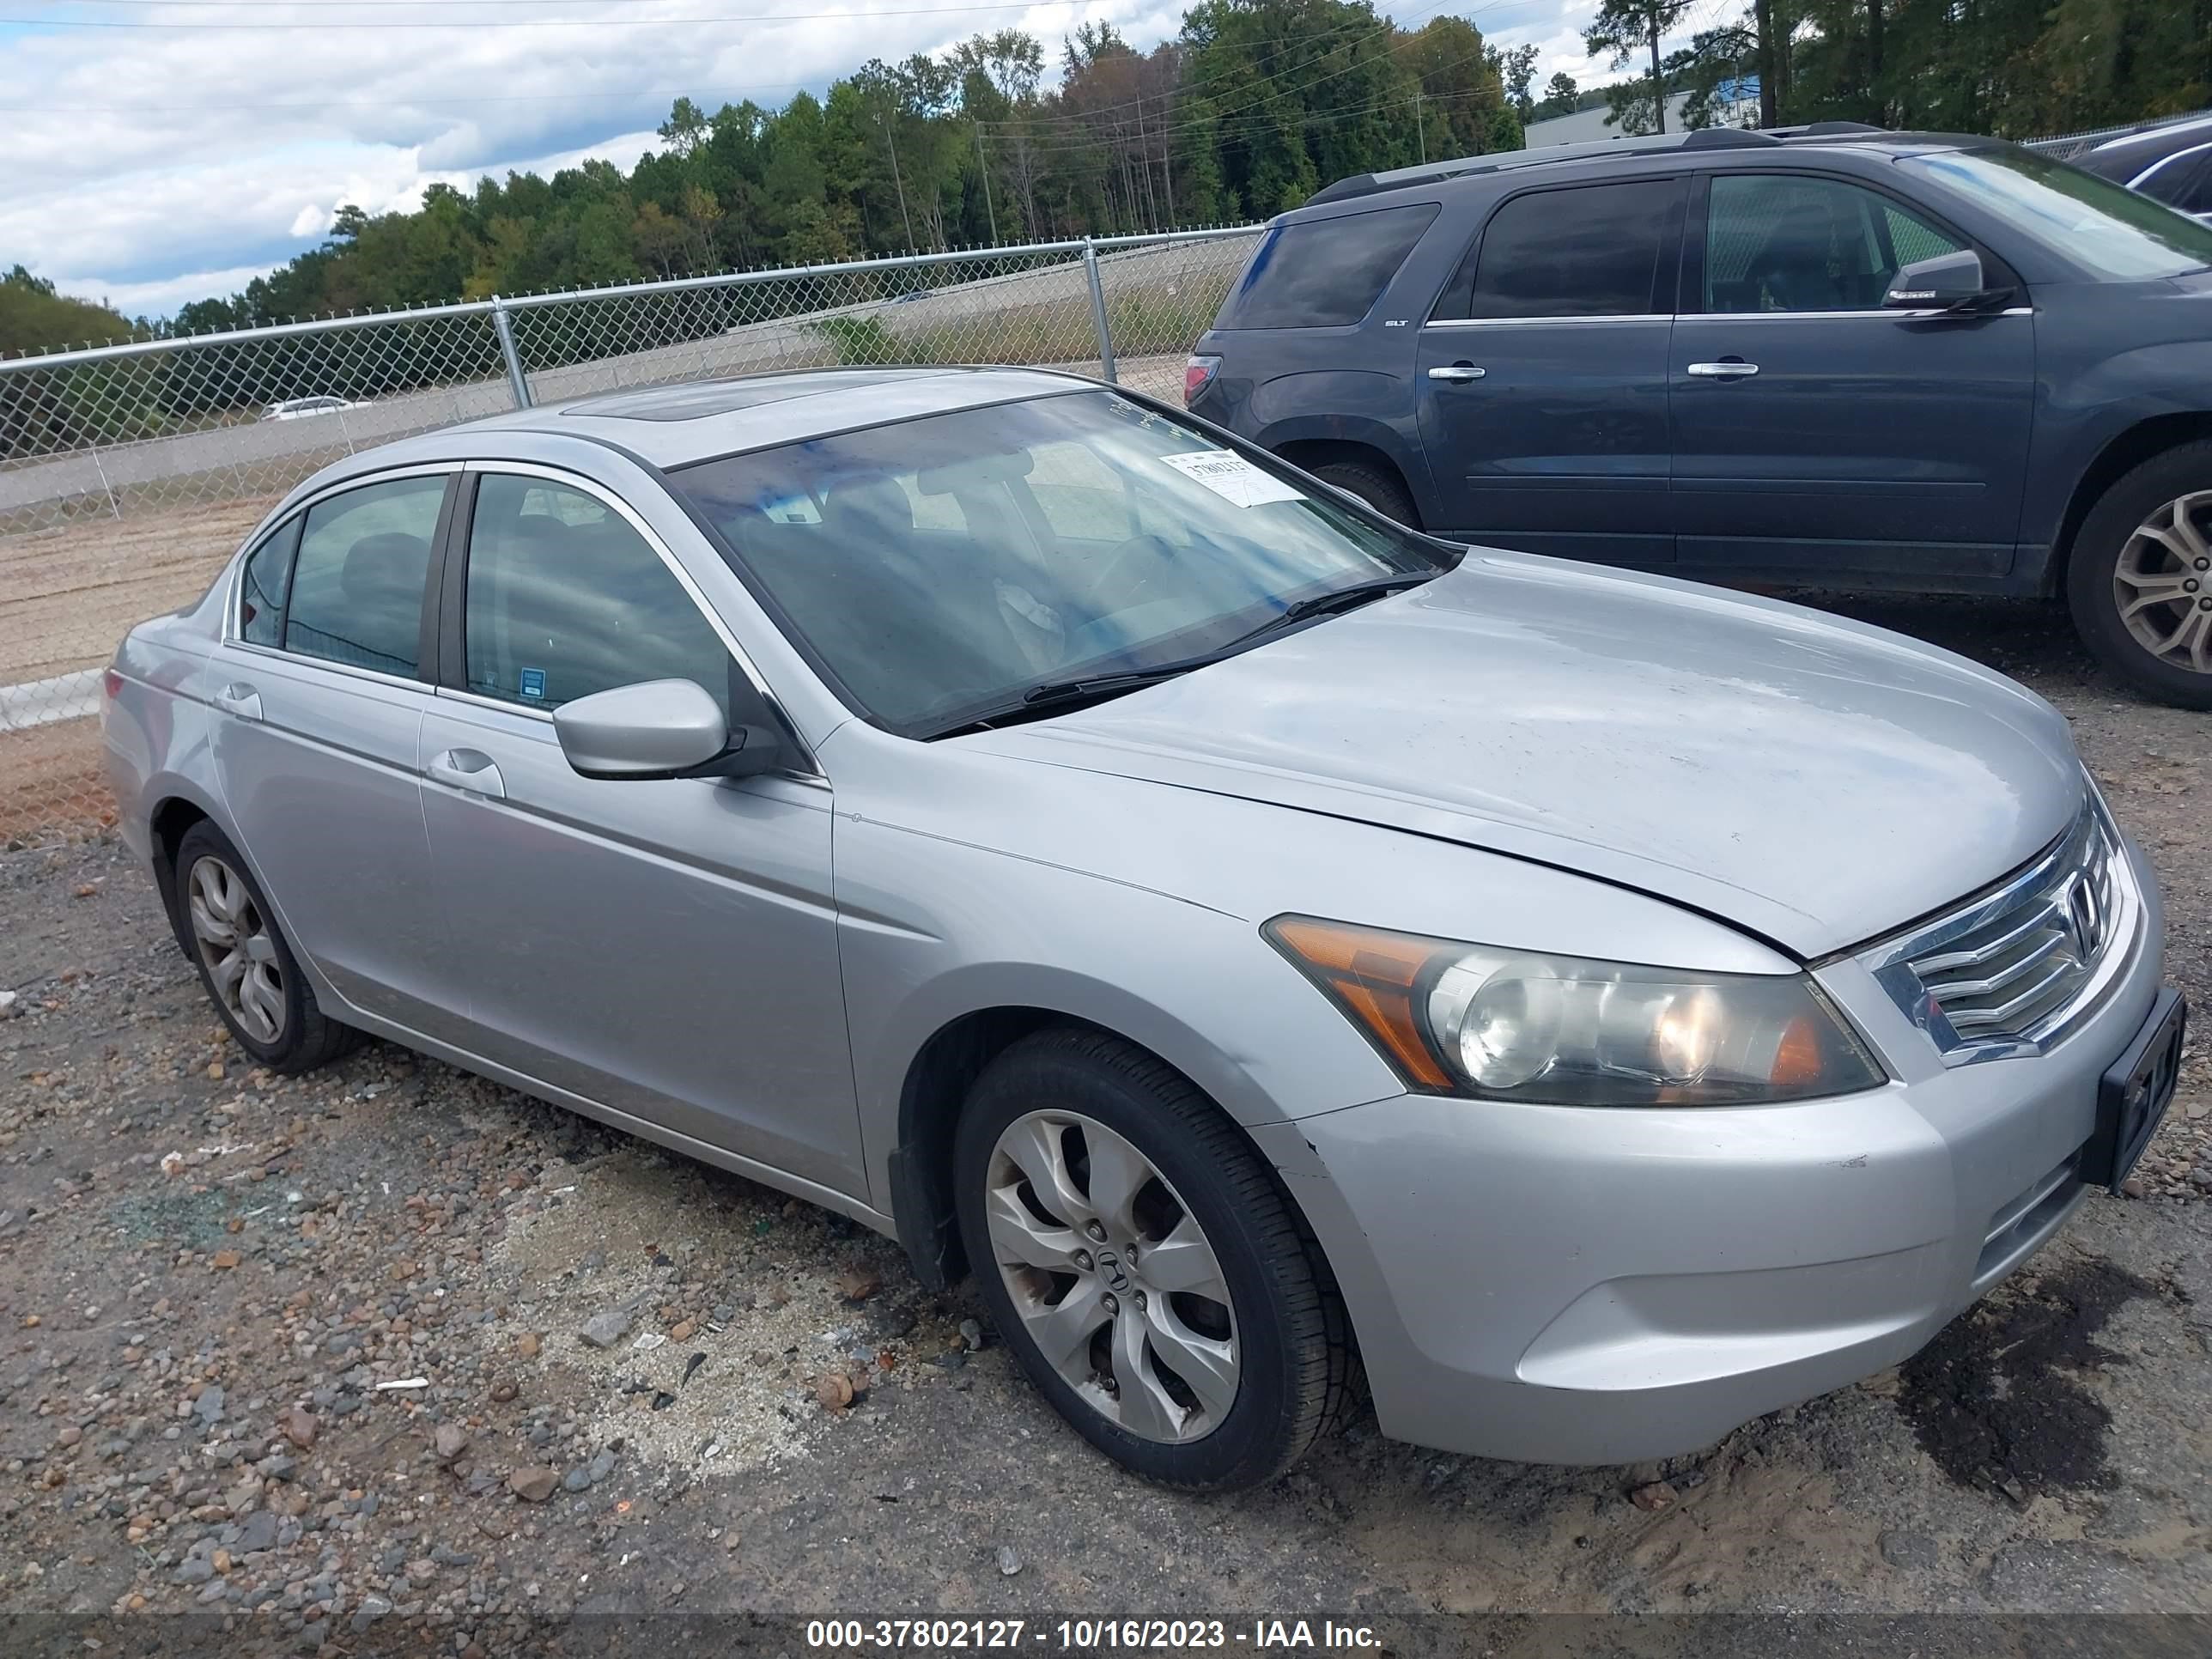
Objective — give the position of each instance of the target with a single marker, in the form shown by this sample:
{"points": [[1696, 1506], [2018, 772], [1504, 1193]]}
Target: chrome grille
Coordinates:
{"points": [[2013, 969]]}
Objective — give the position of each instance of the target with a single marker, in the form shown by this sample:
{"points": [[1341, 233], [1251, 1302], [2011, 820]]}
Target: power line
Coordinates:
{"points": [[394, 102]]}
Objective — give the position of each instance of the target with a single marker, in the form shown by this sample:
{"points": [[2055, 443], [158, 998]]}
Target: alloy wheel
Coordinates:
{"points": [[2162, 584], [239, 950], [1112, 1276]]}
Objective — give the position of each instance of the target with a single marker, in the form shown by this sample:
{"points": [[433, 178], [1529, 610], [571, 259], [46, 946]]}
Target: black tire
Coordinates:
{"points": [[307, 1037], [1372, 485], [2098, 546], [1297, 1365]]}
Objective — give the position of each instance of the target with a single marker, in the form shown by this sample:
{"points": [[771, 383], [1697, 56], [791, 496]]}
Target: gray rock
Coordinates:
{"points": [[1909, 1549], [1010, 1562], [606, 1328], [372, 1608], [577, 1480], [259, 1532], [209, 1406]]}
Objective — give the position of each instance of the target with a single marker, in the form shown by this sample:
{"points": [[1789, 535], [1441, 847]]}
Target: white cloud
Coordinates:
{"points": [[155, 166]]}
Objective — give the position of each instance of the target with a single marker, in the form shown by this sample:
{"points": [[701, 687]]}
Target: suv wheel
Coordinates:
{"points": [[248, 968], [2140, 579], [1143, 1266], [1373, 486]]}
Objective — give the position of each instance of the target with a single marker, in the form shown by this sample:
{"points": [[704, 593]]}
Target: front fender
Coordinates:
{"points": [[2085, 412]]}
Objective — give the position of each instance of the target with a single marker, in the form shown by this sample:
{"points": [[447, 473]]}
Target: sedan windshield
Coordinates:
{"points": [[2122, 236], [967, 566]]}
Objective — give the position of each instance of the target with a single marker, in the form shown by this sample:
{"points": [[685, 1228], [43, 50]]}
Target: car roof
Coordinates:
{"points": [[1593, 159], [670, 426], [2126, 157]]}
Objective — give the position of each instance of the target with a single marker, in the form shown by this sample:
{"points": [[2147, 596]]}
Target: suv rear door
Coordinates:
{"points": [[1542, 382], [1817, 434]]}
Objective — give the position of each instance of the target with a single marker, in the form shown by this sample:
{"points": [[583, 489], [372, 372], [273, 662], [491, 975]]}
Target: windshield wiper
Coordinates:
{"points": [[1054, 696], [1338, 600]]}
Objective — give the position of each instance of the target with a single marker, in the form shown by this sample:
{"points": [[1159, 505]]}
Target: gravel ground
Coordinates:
{"points": [[318, 1361]]}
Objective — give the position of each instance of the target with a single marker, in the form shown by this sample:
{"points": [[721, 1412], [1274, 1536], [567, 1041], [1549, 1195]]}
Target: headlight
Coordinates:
{"points": [[1468, 1020]]}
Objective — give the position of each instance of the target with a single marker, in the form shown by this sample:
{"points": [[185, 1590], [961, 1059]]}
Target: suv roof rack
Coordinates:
{"points": [[1368, 184]]}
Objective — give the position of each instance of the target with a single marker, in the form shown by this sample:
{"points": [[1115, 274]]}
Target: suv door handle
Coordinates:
{"points": [[1458, 374], [470, 769], [1732, 368], [241, 700]]}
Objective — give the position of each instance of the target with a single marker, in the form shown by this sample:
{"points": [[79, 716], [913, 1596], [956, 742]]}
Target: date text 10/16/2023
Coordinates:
{"points": [[1085, 1635]]}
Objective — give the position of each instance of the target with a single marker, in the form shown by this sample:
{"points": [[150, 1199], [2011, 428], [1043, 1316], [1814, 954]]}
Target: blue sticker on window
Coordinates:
{"points": [[533, 682]]}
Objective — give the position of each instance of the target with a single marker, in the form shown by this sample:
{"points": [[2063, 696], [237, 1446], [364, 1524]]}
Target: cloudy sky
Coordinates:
{"points": [[158, 151]]}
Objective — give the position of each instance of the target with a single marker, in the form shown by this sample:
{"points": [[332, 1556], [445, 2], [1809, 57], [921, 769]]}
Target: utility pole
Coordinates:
{"points": [[1420, 127], [890, 139], [1658, 80], [984, 168]]}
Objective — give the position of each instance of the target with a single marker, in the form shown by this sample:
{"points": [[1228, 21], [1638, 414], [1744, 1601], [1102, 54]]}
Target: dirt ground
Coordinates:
{"points": [[301, 1359]]}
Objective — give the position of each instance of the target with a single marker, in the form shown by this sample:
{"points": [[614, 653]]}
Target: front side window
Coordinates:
{"points": [[356, 594], [1324, 273], [1592, 250], [1096, 536], [263, 585], [1796, 242], [566, 598], [2114, 233]]}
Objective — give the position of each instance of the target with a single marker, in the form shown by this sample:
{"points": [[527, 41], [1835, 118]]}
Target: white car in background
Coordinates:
{"points": [[299, 409]]}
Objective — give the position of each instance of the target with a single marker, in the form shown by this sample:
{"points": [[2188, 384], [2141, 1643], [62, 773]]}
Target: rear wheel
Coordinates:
{"points": [[245, 962], [1372, 485], [1143, 1266], [2139, 582]]}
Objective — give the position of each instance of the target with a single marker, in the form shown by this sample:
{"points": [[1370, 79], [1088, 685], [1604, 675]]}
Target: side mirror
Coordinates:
{"points": [[660, 729], [1949, 281]]}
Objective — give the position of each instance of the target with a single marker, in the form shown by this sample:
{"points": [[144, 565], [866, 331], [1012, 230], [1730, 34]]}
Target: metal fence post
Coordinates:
{"points": [[102, 467], [515, 381], [1098, 313]]}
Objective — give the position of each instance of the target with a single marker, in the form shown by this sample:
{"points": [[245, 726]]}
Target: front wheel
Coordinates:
{"points": [[1374, 486], [1142, 1264], [2139, 582]]}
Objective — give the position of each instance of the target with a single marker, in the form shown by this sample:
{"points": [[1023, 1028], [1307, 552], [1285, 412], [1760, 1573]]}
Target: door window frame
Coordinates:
{"points": [[449, 578], [1689, 295], [1663, 289], [234, 628]]}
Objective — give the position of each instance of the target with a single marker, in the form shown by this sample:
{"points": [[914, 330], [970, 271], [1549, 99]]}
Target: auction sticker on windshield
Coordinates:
{"points": [[1232, 478]]}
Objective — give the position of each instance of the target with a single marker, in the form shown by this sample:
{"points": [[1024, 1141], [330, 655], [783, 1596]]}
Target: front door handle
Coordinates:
{"points": [[1457, 374], [470, 769], [241, 700], [1732, 368]]}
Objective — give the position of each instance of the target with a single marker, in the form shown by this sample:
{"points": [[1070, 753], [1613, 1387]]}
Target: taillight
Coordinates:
{"points": [[111, 683], [1198, 372]]}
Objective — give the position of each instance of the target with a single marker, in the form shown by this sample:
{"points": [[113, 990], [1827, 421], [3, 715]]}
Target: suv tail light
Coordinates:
{"points": [[1198, 374]]}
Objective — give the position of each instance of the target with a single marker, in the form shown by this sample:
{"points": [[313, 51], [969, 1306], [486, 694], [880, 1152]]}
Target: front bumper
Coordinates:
{"points": [[1555, 1284]]}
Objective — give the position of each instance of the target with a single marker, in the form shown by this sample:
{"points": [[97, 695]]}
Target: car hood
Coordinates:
{"points": [[1814, 781]]}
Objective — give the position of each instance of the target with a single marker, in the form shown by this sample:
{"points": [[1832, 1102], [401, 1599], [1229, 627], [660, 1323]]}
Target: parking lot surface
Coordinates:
{"points": [[321, 1361]]}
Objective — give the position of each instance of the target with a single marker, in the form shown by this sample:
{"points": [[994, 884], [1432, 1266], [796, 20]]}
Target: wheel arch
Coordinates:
{"points": [[1313, 452], [934, 1090], [2147, 439], [167, 825]]}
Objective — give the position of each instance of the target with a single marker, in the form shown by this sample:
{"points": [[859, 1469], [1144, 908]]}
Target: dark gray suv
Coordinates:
{"points": [[1825, 357]]}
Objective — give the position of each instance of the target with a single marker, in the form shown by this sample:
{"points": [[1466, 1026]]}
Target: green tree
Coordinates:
{"points": [[1624, 30]]}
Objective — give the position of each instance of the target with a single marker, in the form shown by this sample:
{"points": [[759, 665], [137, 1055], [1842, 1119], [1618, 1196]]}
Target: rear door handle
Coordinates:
{"points": [[241, 700], [1734, 369], [470, 769], [1458, 374]]}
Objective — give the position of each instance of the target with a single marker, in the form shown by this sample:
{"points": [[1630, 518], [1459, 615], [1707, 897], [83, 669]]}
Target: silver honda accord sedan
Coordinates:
{"points": [[1257, 942]]}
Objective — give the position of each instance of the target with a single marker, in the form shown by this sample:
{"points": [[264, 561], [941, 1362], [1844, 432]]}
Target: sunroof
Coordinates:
{"points": [[702, 398]]}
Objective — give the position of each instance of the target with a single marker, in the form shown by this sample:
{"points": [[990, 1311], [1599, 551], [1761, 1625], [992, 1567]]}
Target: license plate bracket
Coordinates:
{"points": [[2134, 1091]]}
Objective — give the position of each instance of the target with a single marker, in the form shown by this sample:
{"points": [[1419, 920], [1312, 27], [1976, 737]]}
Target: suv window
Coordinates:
{"points": [[1587, 250], [1324, 273], [357, 592], [2105, 228], [263, 585], [1793, 242], [565, 598]]}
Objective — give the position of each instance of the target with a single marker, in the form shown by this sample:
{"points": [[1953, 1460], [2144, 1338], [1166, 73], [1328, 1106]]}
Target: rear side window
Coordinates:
{"points": [[262, 587], [1592, 250], [357, 588], [1324, 273], [565, 598]]}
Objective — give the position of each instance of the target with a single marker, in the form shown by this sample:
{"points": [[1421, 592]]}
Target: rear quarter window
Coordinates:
{"points": [[1324, 273]]}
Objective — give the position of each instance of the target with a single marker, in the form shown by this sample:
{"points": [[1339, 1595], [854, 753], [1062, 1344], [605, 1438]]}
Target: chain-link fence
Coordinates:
{"points": [[128, 474], [2066, 146]]}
